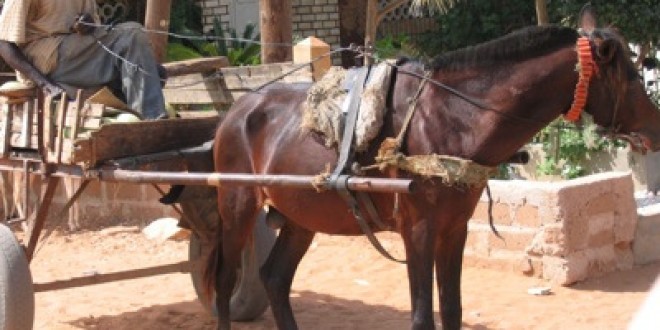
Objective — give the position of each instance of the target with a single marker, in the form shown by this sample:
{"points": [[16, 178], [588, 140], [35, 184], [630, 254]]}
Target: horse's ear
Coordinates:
{"points": [[587, 19], [606, 50]]}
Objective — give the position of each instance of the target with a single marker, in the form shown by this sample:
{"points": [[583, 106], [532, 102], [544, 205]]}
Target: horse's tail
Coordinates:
{"points": [[213, 265]]}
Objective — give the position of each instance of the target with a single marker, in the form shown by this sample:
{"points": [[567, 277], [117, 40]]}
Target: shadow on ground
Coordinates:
{"points": [[312, 310]]}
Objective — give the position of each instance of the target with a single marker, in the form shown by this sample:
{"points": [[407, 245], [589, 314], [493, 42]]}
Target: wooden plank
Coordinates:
{"points": [[61, 117], [75, 121], [5, 132], [195, 97], [48, 127], [120, 140], [207, 64], [195, 89], [98, 278], [18, 141], [27, 122]]}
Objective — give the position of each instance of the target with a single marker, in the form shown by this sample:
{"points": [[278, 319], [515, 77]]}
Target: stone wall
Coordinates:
{"points": [[564, 232]]}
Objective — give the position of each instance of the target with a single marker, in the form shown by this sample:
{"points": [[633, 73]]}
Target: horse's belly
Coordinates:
{"points": [[323, 212]]}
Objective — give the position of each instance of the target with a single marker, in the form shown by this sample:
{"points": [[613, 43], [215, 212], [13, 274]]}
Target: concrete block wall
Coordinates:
{"points": [[107, 204], [564, 232], [647, 237]]}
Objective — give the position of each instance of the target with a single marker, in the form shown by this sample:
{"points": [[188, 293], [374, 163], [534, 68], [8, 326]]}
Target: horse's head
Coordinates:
{"points": [[617, 99]]}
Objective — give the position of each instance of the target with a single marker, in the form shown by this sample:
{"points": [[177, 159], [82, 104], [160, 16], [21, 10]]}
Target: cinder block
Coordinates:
{"points": [[646, 246], [549, 240], [527, 216], [513, 240]]}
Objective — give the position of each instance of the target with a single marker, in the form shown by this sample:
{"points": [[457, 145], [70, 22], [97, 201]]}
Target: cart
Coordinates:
{"points": [[54, 139]]}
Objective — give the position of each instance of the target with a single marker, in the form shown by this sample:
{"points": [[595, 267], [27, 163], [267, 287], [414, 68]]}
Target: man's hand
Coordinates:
{"points": [[84, 24], [52, 90]]}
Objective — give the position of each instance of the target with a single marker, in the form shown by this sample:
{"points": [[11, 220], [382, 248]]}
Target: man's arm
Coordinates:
{"points": [[15, 58]]}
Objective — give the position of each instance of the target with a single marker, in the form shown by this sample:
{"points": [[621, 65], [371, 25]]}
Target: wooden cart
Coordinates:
{"points": [[53, 139]]}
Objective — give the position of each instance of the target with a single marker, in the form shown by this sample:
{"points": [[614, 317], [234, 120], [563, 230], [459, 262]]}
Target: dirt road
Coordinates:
{"points": [[341, 284]]}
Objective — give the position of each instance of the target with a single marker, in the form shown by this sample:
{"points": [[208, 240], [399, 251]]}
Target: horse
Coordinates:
{"points": [[482, 104]]}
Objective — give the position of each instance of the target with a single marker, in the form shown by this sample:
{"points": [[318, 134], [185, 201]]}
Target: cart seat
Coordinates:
{"points": [[17, 90]]}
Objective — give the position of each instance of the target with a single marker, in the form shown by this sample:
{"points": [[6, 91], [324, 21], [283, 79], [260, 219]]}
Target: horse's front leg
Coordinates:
{"points": [[449, 262], [419, 242], [279, 269]]}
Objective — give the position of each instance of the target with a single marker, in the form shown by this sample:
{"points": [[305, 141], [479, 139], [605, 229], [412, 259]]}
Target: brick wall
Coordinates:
{"points": [[107, 204], [212, 9], [318, 18], [564, 232]]}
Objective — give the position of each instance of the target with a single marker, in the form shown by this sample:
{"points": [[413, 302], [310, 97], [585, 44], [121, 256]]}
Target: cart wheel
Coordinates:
{"points": [[249, 299], [16, 292]]}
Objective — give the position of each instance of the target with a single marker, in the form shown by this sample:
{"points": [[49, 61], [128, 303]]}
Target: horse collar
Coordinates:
{"points": [[586, 68]]}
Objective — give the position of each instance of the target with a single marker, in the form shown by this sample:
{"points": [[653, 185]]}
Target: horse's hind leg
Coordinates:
{"points": [[238, 218], [280, 267], [449, 261]]}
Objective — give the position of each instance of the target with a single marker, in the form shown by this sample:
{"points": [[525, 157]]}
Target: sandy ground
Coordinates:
{"points": [[342, 284]]}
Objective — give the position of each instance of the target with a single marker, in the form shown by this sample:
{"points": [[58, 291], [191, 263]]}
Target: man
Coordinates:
{"points": [[54, 45]]}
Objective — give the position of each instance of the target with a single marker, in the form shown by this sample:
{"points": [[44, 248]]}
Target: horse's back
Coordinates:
{"points": [[259, 125]]}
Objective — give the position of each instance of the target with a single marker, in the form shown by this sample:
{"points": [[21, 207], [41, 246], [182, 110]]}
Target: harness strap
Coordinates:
{"points": [[345, 149], [338, 181], [412, 106]]}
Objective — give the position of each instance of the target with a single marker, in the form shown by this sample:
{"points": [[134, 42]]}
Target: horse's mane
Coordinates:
{"points": [[519, 45]]}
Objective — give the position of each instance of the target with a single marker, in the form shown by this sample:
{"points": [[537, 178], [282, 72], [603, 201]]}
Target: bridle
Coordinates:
{"points": [[587, 69]]}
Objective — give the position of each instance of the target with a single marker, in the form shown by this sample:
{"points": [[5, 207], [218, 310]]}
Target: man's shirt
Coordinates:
{"points": [[38, 26]]}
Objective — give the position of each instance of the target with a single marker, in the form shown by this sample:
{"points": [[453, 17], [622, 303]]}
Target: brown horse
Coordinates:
{"points": [[525, 80]]}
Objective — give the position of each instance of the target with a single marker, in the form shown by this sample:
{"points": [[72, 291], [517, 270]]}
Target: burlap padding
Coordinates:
{"points": [[323, 107], [453, 171]]}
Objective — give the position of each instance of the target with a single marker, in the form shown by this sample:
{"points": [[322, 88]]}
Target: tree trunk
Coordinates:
{"points": [[276, 29], [352, 27], [158, 18], [371, 27], [542, 12]]}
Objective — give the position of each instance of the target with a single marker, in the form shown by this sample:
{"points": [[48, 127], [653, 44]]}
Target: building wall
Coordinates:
{"points": [[319, 18], [212, 9]]}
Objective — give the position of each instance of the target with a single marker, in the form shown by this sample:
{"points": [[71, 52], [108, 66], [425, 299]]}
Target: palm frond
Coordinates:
{"points": [[442, 6]]}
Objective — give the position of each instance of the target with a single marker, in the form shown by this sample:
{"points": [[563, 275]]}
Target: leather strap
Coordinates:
{"points": [[338, 180]]}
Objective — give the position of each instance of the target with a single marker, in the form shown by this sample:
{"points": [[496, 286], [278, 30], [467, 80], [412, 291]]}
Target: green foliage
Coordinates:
{"points": [[655, 97], [475, 21], [239, 49], [637, 20], [186, 17], [179, 52], [567, 146], [394, 46]]}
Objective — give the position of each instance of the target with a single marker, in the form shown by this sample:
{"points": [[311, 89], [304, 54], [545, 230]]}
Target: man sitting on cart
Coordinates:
{"points": [[52, 44]]}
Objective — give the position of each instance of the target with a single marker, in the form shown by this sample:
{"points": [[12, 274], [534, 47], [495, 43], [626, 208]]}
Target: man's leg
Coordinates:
{"points": [[83, 62]]}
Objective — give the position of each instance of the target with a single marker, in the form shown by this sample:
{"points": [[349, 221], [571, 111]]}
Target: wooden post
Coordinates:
{"points": [[311, 49], [371, 27], [542, 12], [158, 18], [276, 28]]}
